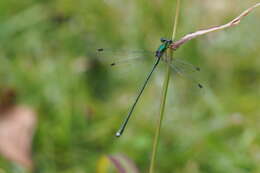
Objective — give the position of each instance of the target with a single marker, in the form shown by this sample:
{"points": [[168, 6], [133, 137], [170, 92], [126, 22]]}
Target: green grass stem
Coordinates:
{"points": [[164, 95]]}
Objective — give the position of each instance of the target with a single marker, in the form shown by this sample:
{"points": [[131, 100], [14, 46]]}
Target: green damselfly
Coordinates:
{"points": [[160, 54]]}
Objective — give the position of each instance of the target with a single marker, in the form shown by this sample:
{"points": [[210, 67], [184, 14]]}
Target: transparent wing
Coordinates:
{"points": [[187, 70], [114, 58], [124, 64], [186, 66]]}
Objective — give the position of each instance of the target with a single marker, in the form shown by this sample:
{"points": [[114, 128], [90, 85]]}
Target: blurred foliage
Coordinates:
{"points": [[47, 52], [116, 163]]}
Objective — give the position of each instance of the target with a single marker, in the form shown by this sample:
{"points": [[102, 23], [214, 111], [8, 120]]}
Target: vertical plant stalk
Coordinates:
{"points": [[164, 95]]}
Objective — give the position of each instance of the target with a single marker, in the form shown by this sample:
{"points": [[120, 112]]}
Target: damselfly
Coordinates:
{"points": [[177, 65]]}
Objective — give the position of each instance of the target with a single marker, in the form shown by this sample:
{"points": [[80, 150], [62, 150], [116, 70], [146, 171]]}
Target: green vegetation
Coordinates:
{"points": [[47, 53]]}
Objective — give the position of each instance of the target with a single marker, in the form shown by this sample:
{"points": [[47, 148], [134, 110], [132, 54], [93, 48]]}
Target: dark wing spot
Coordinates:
{"points": [[197, 68], [100, 49], [113, 64], [200, 86]]}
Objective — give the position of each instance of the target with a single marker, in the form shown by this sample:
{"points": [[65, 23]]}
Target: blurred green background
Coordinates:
{"points": [[47, 53]]}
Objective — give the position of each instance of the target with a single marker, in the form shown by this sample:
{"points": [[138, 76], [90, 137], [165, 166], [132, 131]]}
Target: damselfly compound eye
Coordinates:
{"points": [[163, 40]]}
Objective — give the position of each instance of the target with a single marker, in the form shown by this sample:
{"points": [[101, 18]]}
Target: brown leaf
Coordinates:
{"points": [[123, 164], [17, 126], [116, 162]]}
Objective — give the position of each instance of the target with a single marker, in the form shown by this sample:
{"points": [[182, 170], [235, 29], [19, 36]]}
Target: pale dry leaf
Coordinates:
{"points": [[17, 126]]}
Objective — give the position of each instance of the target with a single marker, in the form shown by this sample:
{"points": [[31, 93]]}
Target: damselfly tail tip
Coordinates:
{"points": [[100, 49], [118, 134], [200, 86]]}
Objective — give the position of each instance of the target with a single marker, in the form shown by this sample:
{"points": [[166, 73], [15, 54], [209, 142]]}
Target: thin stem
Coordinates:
{"points": [[164, 95], [175, 45], [176, 19], [159, 123]]}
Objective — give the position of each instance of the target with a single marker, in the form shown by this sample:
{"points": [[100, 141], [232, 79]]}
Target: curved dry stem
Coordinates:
{"points": [[234, 22]]}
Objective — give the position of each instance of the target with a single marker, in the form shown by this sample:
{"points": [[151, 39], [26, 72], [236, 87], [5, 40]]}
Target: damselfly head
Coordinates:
{"points": [[163, 40]]}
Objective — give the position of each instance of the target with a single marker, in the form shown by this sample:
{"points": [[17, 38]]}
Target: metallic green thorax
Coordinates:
{"points": [[162, 48]]}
